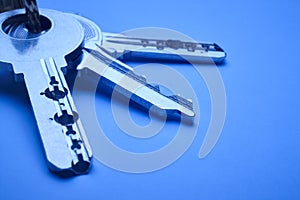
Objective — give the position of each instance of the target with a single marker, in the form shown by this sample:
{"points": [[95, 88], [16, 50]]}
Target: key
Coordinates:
{"points": [[38, 58], [129, 48], [125, 47], [113, 72]]}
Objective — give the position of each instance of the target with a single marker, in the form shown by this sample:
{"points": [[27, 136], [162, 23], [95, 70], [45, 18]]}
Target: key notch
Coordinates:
{"points": [[66, 119], [56, 94]]}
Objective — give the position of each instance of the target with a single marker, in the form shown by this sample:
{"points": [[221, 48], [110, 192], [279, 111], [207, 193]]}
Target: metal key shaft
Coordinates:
{"points": [[126, 47], [115, 73]]}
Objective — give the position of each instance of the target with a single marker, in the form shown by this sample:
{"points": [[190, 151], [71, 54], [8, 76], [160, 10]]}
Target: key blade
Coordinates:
{"points": [[171, 50], [40, 59], [60, 128], [133, 86]]}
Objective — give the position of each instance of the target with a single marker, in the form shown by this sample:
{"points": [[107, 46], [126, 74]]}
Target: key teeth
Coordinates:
{"points": [[112, 52], [156, 87], [182, 101], [141, 79]]}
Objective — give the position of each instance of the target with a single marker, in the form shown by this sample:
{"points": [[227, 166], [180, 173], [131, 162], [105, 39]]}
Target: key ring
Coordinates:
{"points": [[10, 5], [33, 18]]}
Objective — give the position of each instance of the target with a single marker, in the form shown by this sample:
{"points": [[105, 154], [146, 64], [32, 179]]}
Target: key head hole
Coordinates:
{"points": [[15, 27]]}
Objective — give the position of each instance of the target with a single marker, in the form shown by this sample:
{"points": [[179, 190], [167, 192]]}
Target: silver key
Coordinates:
{"points": [[133, 48], [127, 47], [114, 72], [39, 59]]}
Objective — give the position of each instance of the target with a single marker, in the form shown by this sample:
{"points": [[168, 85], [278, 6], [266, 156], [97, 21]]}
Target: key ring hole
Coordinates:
{"points": [[15, 27]]}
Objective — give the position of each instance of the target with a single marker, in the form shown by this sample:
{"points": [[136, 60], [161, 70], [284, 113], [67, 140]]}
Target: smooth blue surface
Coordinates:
{"points": [[258, 154]]}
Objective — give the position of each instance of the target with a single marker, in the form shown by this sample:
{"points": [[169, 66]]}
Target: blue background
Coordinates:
{"points": [[258, 154]]}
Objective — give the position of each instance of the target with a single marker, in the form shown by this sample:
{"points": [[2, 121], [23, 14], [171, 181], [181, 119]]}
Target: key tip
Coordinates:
{"points": [[81, 167]]}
